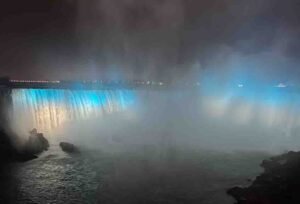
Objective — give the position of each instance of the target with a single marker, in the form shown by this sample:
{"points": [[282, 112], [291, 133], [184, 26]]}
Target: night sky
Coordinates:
{"points": [[149, 39]]}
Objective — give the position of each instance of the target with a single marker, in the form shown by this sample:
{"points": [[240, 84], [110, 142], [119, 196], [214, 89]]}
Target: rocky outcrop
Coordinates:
{"points": [[9, 153], [36, 143], [279, 184], [68, 147]]}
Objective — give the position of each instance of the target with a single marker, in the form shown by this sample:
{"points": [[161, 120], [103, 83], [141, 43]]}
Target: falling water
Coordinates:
{"points": [[264, 119], [47, 109]]}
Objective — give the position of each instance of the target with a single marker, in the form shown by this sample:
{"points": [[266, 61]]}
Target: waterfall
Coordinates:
{"points": [[47, 109]]}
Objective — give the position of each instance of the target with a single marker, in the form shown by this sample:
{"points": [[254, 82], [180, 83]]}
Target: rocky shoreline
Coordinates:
{"points": [[278, 184], [35, 144]]}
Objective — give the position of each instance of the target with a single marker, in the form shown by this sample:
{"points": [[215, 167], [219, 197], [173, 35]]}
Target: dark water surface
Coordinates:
{"points": [[137, 176]]}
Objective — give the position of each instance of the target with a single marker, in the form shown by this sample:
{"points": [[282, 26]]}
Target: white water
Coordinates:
{"points": [[49, 109], [136, 117]]}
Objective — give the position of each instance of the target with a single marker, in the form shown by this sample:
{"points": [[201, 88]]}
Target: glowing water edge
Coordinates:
{"points": [[47, 109]]}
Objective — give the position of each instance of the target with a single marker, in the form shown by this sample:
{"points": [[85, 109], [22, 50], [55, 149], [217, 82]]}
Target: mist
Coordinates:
{"points": [[213, 91], [150, 40], [210, 124], [207, 117]]}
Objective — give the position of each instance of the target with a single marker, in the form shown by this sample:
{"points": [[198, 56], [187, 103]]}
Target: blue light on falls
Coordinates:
{"points": [[47, 109]]}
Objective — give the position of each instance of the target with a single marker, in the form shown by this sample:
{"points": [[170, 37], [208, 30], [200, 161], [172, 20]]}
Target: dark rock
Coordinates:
{"points": [[279, 184], [236, 192], [24, 156], [7, 150], [9, 153], [68, 147], [36, 143]]}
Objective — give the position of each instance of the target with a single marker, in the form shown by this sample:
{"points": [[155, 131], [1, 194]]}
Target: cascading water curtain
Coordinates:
{"points": [[47, 109]]}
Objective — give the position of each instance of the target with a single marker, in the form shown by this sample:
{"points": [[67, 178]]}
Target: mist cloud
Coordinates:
{"points": [[139, 39]]}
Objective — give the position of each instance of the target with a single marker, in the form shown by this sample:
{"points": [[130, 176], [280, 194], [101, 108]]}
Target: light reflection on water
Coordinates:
{"points": [[149, 174], [56, 177]]}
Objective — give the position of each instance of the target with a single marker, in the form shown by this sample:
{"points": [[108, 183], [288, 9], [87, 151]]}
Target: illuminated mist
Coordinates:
{"points": [[228, 77], [228, 116], [50, 109]]}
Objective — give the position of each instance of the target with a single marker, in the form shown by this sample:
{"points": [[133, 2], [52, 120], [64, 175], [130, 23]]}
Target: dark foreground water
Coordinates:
{"points": [[144, 175]]}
